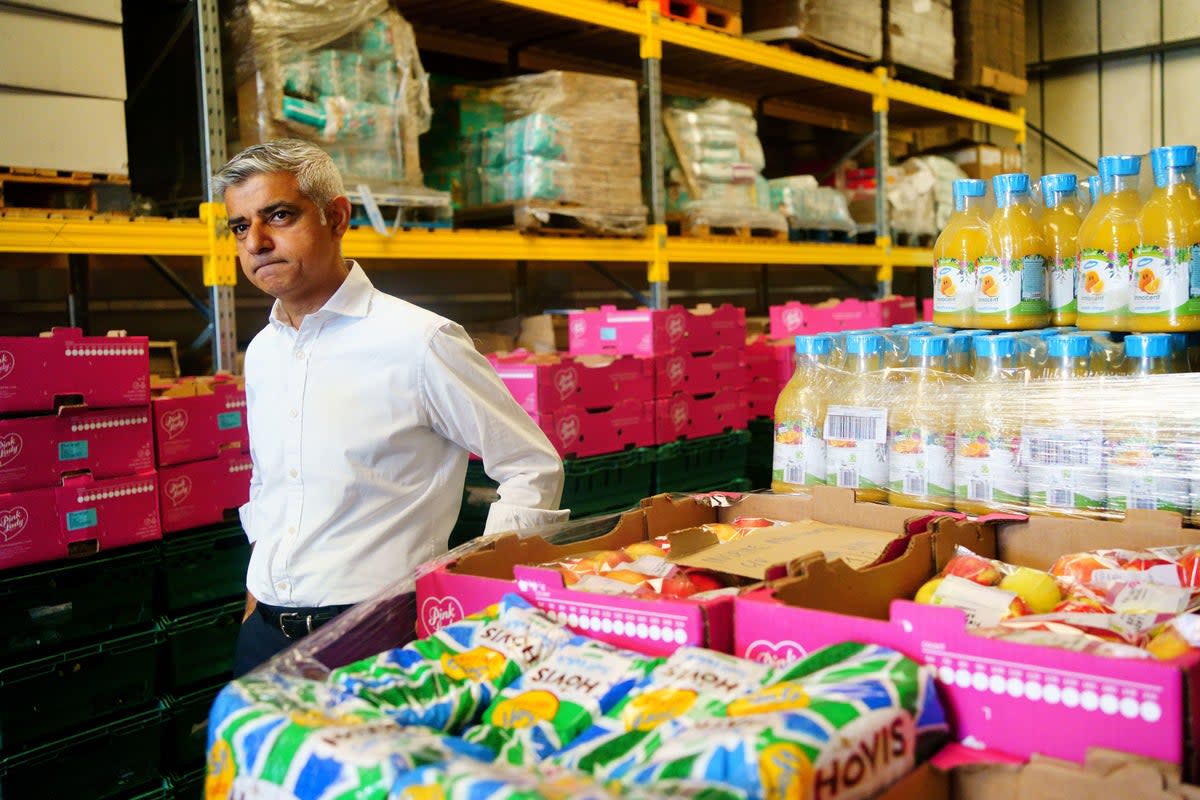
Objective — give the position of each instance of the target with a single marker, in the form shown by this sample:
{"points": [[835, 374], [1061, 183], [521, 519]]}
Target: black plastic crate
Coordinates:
{"points": [[760, 459], [695, 465], [116, 759], [188, 785], [49, 606], [200, 645], [47, 695], [187, 728], [203, 567]]}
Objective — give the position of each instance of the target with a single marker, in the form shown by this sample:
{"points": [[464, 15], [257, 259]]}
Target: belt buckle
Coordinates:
{"points": [[293, 616]]}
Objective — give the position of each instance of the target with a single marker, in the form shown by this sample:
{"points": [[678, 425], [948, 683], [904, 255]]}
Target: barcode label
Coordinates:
{"points": [[851, 423], [793, 473], [1060, 498], [978, 489], [914, 484], [1050, 453], [848, 477], [1142, 501]]}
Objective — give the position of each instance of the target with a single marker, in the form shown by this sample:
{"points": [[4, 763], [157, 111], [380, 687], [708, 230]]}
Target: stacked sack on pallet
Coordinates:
{"points": [[509, 704], [814, 213]]}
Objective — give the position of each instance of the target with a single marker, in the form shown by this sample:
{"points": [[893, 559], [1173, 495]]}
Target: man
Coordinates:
{"points": [[362, 409]]}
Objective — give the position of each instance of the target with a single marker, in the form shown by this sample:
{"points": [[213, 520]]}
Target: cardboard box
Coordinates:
{"points": [[761, 397], [204, 492], [581, 433], [64, 55], [50, 131], [646, 332], [724, 368], [82, 516], [37, 452], [795, 318], [447, 592], [771, 360], [541, 385], [922, 35], [1009, 696], [854, 25], [689, 417], [196, 419], [103, 10], [985, 161], [990, 44], [65, 367]]}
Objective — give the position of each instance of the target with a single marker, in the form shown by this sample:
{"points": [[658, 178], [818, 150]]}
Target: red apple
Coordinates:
{"points": [[1144, 564], [1017, 608], [1078, 567], [677, 586], [704, 581], [974, 568], [1189, 569], [1081, 604]]}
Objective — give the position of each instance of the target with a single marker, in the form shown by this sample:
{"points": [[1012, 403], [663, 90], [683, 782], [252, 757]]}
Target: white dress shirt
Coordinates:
{"points": [[360, 426]]}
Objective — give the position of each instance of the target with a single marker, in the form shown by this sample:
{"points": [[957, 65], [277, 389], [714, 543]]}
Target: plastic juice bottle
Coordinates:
{"points": [[1011, 293], [1146, 468], [856, 443], [799, 455], [1060, 227], [988, 475], [1106, 241], [1093, 184], [1063, 441], [1106, 354], [958, 357], [955, 254], [1165, 293], [921, 433], [1180, 361]]}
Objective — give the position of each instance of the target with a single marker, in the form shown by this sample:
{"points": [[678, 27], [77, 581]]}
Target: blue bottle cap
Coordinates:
{"points": [[864, 343], [1056, 184], [1072, 346], [960, 342], [1165, 159], [1179, 342], [1113, 166], [978, 332], [999, 346], [1150, 345], [1009, 184], [928, 345], [964, 188], [813, 345]]}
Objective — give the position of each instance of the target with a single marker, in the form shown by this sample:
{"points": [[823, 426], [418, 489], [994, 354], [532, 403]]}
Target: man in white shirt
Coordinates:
{"points": [[362, 410]]}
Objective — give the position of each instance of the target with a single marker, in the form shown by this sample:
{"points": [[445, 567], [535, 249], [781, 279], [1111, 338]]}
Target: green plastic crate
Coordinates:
{"points": [[115, 759], [47, 695], [187, 728], [200, 645], [203, 567], [188, 785], [694, 465], [50, 606], [760, 460]]}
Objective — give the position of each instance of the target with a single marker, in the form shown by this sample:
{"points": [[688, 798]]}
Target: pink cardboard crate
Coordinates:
{"points": [[82, 516], [198, 426], [927, 309], [580, 433], [700, 374], [448, 591], [646, 332], [588, 382], [66, 367], [687, 417], [201, 492], [37, 452], [768, 359], [795, 319], [761, 397]]}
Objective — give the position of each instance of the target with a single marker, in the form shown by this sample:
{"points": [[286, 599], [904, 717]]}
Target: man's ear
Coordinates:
{"points": [[338, 215]]}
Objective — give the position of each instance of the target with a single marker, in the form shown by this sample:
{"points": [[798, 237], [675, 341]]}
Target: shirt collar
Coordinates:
{"points": [[352, 299]]}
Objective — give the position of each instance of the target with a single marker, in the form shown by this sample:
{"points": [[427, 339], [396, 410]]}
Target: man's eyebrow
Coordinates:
{"points": [[267, 211]]}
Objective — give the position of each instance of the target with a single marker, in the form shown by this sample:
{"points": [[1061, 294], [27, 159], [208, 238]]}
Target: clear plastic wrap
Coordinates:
{"points": [[351, 82], [808, 206]]}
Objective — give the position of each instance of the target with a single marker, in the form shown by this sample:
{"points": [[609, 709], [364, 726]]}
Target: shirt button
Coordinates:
{"points": [[292, 473], [292, 530], [294, 413], [300, 354], [282, 586]]}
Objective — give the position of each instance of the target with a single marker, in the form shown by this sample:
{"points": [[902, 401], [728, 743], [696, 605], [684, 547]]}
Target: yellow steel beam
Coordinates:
{"points": [[902, 92], [104, 236], [912, 257], [604, 13], [483, 245], [682, 250]]}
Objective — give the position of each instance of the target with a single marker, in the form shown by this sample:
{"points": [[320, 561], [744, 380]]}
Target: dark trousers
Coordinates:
{"points": [[257, 643]]}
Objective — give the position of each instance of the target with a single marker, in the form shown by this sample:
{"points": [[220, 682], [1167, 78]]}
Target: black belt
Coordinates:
{"points": [[296, 623]]}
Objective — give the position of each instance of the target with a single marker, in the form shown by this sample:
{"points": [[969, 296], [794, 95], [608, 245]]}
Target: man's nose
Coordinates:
{"points": [[258, 239]]}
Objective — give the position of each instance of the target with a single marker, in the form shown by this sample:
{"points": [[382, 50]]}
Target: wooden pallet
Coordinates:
{"points": [[405, 217], [716, 15], [682, 226], [64, 192], [548, 218]]}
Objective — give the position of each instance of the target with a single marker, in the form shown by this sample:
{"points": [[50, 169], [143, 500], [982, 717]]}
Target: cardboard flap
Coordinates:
{"points": [[1040, 541]]}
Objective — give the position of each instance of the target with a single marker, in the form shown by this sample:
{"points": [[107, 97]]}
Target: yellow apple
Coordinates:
{"points": [[925, 593], [639, 549], [1038, 589]]}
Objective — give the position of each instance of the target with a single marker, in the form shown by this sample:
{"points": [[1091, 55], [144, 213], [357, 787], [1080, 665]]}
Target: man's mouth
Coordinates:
{"points": [[257, 267]]}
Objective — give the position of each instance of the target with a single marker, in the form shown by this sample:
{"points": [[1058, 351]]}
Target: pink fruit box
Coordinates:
{"points": [[83, 516], [203, 492], [38, 452], [1014, 697], [761, 397], [543, 386], [580, 433], [464, 583], [646, 332], [197, 418], [686, 417], [770, 360], [795, 318], [65, 367], [706, 373]]}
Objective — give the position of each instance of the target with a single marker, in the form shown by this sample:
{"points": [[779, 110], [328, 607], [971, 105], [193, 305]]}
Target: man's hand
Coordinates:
{"points": [[251, 604]]}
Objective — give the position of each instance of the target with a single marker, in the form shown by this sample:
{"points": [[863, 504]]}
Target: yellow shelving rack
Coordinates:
{"points": [[597, 34]]}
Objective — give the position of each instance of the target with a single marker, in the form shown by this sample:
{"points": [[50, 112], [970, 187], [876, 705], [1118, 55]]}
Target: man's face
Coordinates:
{"points": [[284, 247]]}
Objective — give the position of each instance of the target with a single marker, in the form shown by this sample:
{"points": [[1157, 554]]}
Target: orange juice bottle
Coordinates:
{"points": [[1165, 292], [921, 433], [1106, 241], [1060, 226], [799, 454], [1011, 289], [1093, 183], [988, 474], [856, 440], [955, 254]]}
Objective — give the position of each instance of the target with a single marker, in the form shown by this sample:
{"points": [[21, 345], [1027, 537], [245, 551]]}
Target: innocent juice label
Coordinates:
{"points": [[856, 447], [799, 455], [1062, 284], [1104, 280], [987, 469], [1011, 285], [1161, 279], [921, 463], [953, 285], [1144, 474], [1065, 468]]}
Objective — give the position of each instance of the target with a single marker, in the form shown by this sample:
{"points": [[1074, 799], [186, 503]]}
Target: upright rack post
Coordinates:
{"points": [[654, 188], [883, 226], [218, 275]]}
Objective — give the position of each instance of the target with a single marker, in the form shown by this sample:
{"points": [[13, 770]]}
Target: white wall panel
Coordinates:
{"points": [[1069, 28], [1181, 19], [1072, 117], [1128, 23], [1033, 30], [1182, 73], [1126, 107], [1032, 102]]}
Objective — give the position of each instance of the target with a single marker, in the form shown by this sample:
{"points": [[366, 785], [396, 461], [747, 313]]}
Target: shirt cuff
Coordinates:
{"points": [[245, 514], [504, 517]]}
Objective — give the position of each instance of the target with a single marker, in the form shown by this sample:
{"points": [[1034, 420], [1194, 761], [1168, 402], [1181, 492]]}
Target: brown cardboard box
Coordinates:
{"points": [[990, 44], [852, 25], [922, 35], [985, 161]]}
